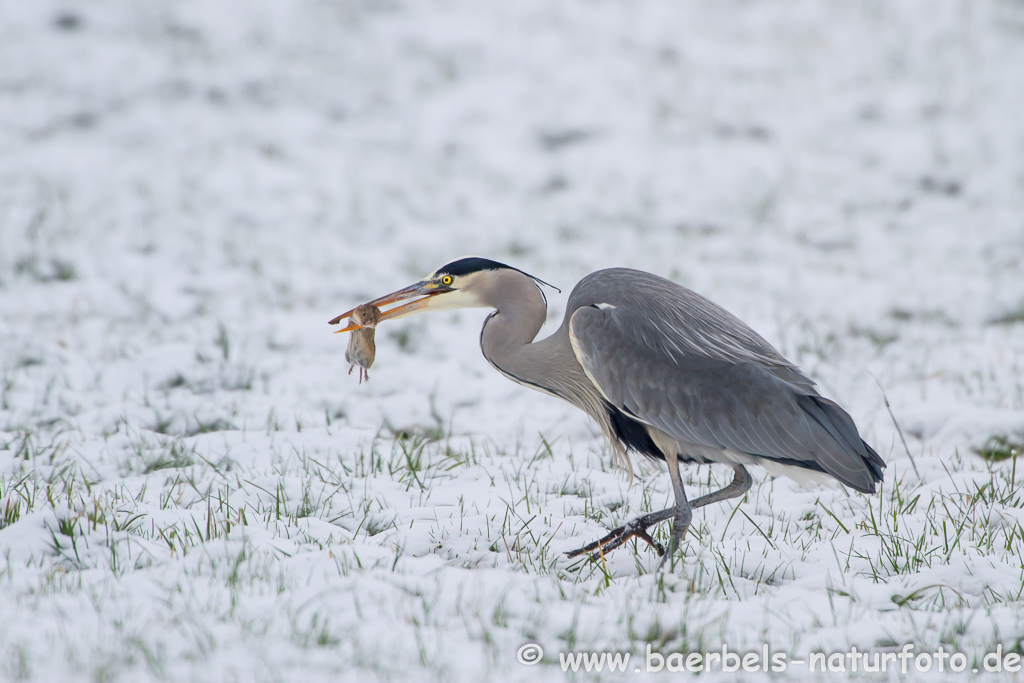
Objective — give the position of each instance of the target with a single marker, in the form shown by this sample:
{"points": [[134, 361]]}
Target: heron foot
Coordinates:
{"points": [[681, 514], [617, 537], [680, 525]]}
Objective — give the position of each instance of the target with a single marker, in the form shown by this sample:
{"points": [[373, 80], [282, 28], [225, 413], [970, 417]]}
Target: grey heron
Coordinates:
{"points": [[663, 371]]}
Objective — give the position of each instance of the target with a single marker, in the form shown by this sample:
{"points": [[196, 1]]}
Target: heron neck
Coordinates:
{"points": [[532, 363], [507, 336], [549, 365], [519, 306]]}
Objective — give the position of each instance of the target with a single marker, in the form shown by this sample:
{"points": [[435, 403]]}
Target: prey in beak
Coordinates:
{"points": [[361, 346], [418, 297]]}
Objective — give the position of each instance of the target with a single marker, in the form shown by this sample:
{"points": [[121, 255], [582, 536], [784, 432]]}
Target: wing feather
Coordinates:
{"points": [[738, 405]]}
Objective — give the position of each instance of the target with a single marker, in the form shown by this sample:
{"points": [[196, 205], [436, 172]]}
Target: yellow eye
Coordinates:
{"points": [[446, 280]]}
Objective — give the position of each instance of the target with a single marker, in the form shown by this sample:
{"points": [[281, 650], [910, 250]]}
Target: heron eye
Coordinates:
{"points": [[446, 280]]}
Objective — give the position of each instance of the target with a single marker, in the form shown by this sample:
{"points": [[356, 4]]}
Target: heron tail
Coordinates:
{"points": [[867, 466]]}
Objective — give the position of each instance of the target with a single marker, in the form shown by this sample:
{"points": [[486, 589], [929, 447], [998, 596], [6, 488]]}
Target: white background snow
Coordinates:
{"points": [[192, 488]]}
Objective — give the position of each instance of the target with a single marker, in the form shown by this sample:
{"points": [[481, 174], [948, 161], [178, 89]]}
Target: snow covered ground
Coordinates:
{"points": [[191, 487]]}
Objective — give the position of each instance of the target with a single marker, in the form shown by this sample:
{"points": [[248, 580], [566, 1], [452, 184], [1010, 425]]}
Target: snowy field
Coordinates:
{"points": [[192, 488]]}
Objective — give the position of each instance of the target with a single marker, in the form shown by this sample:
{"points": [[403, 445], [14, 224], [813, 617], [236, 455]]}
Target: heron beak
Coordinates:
{"points": [[418, 296]]}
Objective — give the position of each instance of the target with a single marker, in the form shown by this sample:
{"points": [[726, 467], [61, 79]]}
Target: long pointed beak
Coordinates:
{"points": [[417, 295]]}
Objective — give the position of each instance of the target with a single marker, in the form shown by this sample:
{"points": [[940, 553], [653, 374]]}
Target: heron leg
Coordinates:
{"points": [[683, 512], [740, 484]]}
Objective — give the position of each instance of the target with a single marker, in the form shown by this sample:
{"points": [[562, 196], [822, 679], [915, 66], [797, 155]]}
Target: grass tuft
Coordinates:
{"points": [[1000, 447]]}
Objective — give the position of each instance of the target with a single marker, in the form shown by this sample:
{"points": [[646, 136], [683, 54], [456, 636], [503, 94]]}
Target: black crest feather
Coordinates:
{"points": [[474, 264]]}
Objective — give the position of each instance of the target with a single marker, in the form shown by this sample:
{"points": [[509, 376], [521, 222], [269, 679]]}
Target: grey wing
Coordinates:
{"points": [[678, 322], [719, 404]]}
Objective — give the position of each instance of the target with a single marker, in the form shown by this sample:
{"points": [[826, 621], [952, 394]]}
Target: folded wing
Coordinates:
{"points": [[743, 406]]}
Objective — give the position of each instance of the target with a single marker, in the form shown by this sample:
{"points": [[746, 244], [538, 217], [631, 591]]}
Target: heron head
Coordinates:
{"points": [[460, 284]]}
